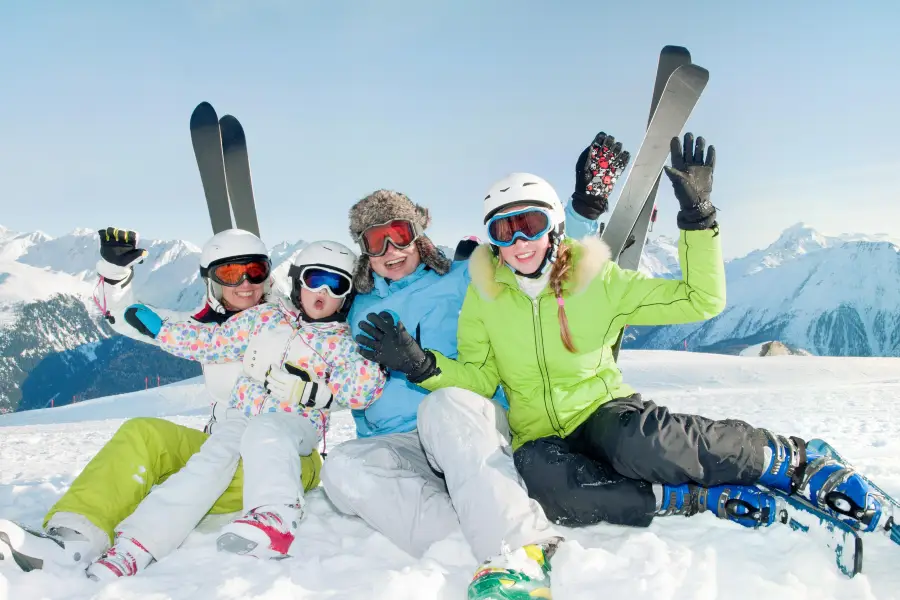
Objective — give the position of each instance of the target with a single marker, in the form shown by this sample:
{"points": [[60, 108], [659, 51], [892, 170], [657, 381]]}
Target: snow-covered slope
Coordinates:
{"points": [[835, 296], [843, 400]]}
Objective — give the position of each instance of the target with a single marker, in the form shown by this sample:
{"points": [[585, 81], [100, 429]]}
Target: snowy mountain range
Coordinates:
{"points": [[827, 295], [831, 296]]}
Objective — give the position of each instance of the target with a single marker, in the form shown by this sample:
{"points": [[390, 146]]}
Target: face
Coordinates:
{"points": [[319, 305], [524, 256], [243, 296], [396, 264]]}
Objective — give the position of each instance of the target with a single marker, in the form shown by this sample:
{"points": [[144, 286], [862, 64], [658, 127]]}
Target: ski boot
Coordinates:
{"points": [[263, 532], [520, 575], [56, 548], [823, 481], [890, 520], [126, 558], [744, 504]]}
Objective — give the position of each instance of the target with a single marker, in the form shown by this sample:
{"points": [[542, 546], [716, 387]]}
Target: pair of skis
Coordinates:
{"points": [[220, 148], [678, 87]]}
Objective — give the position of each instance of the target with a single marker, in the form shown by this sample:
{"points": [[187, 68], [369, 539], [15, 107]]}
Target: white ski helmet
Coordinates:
{"points": [[230, 245], [525, 188], [329, 256]]}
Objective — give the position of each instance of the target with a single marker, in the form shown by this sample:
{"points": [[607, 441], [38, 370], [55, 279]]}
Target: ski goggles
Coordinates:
{"points": [[527, 223], [234, 271], [314, 278], [399, 232]]}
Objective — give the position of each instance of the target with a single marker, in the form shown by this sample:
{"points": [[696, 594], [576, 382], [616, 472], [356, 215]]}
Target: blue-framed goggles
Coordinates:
{"points": [[528, 223], [317, 277]]}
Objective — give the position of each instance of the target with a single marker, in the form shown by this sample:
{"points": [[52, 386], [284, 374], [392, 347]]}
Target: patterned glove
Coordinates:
{"points": [[596, 172]]}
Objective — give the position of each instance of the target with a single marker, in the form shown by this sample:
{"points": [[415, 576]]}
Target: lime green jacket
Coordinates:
{"points": [[507, 337]]}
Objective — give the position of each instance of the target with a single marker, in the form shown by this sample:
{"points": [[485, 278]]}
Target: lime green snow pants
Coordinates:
{"points": [[144, 452]]}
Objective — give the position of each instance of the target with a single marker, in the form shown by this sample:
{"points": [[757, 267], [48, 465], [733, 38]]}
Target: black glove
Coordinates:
{"points": [[596, 172], [119, 247], [391, 346], [692, 179]]}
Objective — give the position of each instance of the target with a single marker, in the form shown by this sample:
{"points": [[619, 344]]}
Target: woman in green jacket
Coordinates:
{"points": [[541, 317]]}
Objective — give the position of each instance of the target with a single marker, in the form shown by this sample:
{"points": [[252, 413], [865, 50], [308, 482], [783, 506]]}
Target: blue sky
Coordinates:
{"points": [[438, 99]]}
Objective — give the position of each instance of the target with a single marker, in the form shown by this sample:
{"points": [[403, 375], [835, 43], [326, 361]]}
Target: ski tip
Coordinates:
{"points": [[691, 72], [232, 131], [204, 115], [676, 50]]}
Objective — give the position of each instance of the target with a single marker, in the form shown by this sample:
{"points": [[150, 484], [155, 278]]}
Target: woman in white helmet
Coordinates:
{"points": [[294, 360]]}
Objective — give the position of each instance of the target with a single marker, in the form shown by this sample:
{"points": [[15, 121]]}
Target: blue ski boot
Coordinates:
{"points": [[823, 481], [746, 505]]}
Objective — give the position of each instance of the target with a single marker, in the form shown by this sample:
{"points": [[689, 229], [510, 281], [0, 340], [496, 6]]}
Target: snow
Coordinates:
{"points": [[22, 283], [845, 400]]}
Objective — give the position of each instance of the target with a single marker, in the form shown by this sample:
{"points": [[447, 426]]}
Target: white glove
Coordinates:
{"points": [[296, 388], [111, 272]]}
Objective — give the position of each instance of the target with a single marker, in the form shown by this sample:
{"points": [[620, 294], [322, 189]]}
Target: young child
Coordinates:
{"points": [[296, 358]]}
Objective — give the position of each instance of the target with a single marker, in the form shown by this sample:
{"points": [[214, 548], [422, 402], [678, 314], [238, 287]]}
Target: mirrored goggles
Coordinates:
{"points": [[528, 223], [399, 232], [315, 278]]}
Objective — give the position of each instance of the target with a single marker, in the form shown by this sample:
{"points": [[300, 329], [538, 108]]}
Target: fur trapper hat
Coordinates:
{"points": [[383, 206]]}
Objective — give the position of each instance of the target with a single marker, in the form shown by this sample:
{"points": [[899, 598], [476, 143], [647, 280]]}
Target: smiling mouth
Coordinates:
{"points": [[247, 294], [393, 263], [525, 256]]}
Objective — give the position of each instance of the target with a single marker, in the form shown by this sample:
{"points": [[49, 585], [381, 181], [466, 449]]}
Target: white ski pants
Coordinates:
{"points": [[389, 481], [270, 445]]}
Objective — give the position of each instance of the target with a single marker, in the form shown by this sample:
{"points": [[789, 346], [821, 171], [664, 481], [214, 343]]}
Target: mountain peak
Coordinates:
{"points": [[799, 237]]}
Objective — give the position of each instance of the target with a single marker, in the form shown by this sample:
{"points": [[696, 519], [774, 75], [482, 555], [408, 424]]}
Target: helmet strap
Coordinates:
{"points": [[213, 292]]}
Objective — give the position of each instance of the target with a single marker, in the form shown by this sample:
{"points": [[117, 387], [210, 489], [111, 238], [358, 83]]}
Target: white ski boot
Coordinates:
{"points": [[126, 558], [56, 548], [263, 532]]}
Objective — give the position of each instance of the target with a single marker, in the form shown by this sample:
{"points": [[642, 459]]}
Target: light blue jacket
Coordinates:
{"points": [[428, 305]]}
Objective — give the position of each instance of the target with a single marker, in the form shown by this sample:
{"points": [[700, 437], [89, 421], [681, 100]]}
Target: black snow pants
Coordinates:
{"points": [[603, 470]]}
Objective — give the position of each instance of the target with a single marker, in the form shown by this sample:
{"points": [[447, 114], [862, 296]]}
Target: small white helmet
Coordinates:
{"points": [[330, 256], [227, 245], [327, 254], [524, 188]]}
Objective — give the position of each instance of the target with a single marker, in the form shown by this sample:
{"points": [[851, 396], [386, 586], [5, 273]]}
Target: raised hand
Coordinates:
{"points": [[119, 247], [691, 175], [596, 172]]}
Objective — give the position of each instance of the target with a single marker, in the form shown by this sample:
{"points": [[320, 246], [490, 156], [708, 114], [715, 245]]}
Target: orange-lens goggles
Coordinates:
{"points": [[234, 274]]}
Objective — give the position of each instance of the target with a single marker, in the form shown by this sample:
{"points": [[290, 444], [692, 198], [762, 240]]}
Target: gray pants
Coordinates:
{"points": [[455, 473]]}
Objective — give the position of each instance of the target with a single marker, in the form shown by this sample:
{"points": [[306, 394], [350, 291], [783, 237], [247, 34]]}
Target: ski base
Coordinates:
{"points": [[840, 538]]}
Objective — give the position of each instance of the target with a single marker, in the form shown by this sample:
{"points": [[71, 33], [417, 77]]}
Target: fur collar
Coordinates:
{"points": [[591, 254]]}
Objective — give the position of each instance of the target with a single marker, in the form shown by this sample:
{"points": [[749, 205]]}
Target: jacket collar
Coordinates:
{"points": [[384, 288]]}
